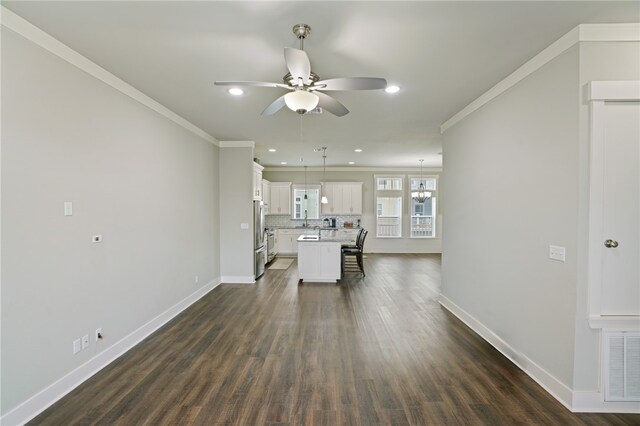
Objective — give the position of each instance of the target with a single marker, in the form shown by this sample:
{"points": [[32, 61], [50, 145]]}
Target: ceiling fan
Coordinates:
{"points": [[305, 87]]}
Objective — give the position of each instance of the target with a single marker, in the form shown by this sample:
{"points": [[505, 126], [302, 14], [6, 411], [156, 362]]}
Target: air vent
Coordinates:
{"points": [[316, 110], [622, 366]]}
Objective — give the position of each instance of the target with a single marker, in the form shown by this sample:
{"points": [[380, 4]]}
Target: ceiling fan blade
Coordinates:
{"points": [[251, 84], [275, 106], [327, 103], [353, 83], [298, 64]]}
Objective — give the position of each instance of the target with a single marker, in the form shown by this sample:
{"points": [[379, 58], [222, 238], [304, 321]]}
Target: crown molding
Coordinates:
{"points": [[613, 91], [355, 169], [236, 144], [20, 26], [609, 32], [581, 33]]}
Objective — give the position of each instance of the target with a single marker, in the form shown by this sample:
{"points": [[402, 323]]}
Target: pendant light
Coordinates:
{"points": [[421, 195], [324, 199], [305, 182]]}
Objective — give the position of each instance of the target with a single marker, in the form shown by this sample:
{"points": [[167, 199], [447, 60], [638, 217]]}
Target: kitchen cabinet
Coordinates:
{"points": [[288, 240], [266, 195], [352, 198], [257, 181], [333, 191], [280, 198], [345, 198]]}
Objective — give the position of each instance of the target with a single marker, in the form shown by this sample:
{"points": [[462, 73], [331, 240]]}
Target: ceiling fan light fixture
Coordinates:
{"points": [[301, 101]]}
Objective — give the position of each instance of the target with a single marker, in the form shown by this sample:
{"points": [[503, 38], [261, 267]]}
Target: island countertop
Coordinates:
{"points": [[316, 239]]}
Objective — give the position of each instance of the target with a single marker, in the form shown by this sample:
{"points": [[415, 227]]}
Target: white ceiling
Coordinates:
{"points": [[443, 55]]}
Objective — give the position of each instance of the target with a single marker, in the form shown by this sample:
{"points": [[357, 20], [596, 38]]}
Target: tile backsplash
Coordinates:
{"points": [[286, 221]]}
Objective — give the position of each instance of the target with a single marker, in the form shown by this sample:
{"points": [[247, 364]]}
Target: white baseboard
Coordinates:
{"points": [[575, 401], [593, 402], [52, 393], [552, 385], [238, 279]]}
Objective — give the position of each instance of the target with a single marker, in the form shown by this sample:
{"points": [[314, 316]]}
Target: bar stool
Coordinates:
{"points": [[356, 252]]}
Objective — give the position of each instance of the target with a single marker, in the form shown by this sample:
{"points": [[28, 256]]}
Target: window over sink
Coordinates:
{"points": [[306, 202]]}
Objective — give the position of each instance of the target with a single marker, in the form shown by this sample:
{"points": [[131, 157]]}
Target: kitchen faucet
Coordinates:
{"points": [[318, 228]]}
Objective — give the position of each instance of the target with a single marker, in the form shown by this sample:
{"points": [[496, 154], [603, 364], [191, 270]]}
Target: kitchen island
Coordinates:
{"points": [[319, 259]]}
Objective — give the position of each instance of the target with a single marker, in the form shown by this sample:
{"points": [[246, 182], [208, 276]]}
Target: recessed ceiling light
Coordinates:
{"points": [[283, 162], [392, 89], [272, 150], [352, 162], [358, 150], [235, 91]]}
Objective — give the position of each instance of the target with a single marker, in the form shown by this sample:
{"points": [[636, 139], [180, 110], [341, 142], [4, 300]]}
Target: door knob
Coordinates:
{"points": [[611, 244]]}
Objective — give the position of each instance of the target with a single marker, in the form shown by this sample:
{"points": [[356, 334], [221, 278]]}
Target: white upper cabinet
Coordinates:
{"points": [[266, 195], [280, 199], [257, 181], [352, 198], [333, 192], [345, 198]]}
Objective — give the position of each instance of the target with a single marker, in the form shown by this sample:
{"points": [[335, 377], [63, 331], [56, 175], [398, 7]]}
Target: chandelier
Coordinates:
{"points": [[421, 195]]}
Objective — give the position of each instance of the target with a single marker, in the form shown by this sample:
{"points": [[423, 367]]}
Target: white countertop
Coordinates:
{"points": [[316, 239]]}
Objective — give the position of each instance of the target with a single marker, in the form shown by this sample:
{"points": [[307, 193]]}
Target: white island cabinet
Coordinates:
{"points": [[318, 260]]}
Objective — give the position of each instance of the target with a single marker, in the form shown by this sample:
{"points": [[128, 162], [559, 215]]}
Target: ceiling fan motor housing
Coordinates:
{"points": [[301, 30]]}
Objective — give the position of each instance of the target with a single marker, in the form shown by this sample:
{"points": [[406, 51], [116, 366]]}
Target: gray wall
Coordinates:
{"points": [[236, 207], [373, 244], [147, 185], [598, 62], [525, 158], [511, 184]]}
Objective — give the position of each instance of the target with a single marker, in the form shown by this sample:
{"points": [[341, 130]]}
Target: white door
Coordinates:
{"points": [[620, 288]]}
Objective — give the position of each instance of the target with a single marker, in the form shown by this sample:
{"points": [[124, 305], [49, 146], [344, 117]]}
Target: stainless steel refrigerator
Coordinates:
{"points": [[259, 243]]}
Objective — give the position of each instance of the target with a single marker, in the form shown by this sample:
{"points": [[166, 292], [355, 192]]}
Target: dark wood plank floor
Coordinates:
{"points": [[378, 350]]}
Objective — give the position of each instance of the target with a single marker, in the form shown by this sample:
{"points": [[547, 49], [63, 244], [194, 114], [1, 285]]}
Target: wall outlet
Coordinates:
{"points": [[196, 279], [99, 336], [96, 238], [76, 346], [557, 253], [85, 341], [68, 208], [244, 226]]}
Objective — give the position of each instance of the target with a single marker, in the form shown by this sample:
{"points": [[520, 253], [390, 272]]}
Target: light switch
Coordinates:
{"points": [[244, 226], [76, 346], [557, 253], [85, 341], [68, 208]]}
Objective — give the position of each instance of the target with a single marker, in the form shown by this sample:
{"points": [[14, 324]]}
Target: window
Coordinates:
{"points": [[389, 183], [389, 206], [309, 207], [423, 215]]}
